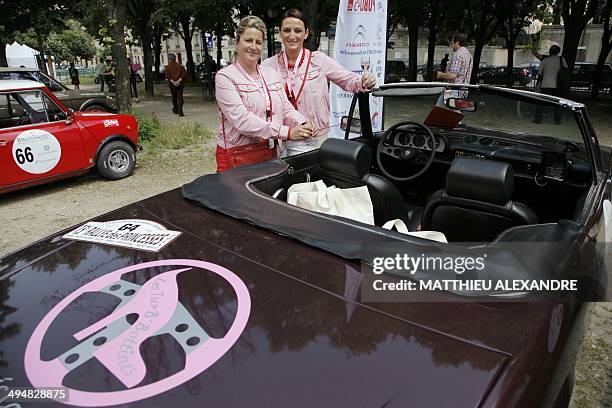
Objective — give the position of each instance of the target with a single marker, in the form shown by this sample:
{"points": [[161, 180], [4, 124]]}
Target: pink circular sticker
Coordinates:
{"points": [[156, 304]]}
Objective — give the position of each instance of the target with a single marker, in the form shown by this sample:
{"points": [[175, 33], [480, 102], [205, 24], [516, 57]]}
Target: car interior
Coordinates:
{"points": [[28, 107], [475, 184]]}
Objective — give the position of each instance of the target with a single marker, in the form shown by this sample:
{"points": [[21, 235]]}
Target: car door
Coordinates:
{"points": [[44, 142]]}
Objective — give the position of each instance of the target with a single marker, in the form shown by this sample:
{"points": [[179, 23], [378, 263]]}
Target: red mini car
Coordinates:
{"points": [[41, 140]]}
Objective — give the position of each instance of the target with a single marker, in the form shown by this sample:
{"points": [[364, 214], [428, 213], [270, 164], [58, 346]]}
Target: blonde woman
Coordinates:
{"points": [[256, 115], [305, 75]]}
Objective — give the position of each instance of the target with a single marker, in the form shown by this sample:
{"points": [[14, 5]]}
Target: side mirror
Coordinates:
{"points": [[463, 105], [355, 124]]}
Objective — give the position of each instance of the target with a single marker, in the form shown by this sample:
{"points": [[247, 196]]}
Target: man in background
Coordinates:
{"points": [[176, 74], [133, 80], [100, 69], [459, 70]]}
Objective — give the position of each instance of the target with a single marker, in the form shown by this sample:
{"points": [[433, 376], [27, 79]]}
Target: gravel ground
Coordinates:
{"points": [[34, 213]]}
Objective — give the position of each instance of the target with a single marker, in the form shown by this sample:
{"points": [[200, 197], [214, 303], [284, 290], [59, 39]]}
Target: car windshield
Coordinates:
{"points": [[511, 115]]}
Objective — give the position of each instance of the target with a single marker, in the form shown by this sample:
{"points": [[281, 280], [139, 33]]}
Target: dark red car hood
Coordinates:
{"points": [[308, 340]]}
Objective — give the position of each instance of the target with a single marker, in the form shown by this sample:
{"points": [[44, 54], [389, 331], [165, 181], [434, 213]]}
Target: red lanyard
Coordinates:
{"points": [[292, 71], [259, 86], [294, 98]]}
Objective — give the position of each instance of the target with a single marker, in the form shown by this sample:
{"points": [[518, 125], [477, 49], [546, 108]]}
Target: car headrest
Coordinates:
{"points": [[488, 181], [345, 157]]}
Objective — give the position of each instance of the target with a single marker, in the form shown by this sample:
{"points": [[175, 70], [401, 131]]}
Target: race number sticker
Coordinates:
{"points": [[36, 151], [136, 234]]}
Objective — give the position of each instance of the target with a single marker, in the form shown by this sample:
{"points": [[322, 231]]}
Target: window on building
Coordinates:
{"points": [[197, 57]]}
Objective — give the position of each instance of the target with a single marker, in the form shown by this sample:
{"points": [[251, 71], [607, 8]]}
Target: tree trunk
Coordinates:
{"points": [[147, 42], [187, 33], [3, 61], [117, 10], [557, 8], [509, 73], [413, 47], [431, 41], [219, 47], [606, 46], [157, 37], [570, 44], [476, 61], [575, 15], [310, 8], [41, 52]]}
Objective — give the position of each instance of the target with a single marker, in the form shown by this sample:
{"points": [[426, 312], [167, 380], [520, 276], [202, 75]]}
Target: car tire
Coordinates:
{"points": [[96, 108], [116, 160]]}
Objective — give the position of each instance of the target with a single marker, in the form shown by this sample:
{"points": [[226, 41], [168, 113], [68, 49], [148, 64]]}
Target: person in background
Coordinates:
{"points": [[176, 74], [109, 74], [100, 69], [548, 73], [256, 115], [133, 82], [74, 75], [444, 63], [305, 77], [459, 70]]}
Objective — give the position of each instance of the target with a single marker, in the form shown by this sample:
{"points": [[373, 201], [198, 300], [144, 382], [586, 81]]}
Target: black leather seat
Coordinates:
{"points": [[476, 204], [346, 164]]}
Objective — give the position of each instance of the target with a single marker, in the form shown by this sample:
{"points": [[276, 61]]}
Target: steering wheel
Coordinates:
{"points": [[407, 154]]}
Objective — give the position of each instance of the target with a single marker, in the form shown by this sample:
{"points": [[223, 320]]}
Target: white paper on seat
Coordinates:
{"points": [[352, 203], [401, 227]]}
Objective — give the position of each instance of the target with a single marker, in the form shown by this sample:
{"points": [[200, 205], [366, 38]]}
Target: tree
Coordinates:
{"points": [[66, 45], [46, 16], [482, 21], [117, 17], [606, 46], [216, 18], [515, 17], [140, 19], [180, 14], [576, 15]]}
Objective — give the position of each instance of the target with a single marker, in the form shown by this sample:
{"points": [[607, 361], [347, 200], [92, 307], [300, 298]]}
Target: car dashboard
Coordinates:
{"points": [[551, 159]]}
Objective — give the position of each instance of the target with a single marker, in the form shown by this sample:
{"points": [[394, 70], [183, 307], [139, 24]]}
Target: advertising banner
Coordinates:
{"points": [[360, 46]]}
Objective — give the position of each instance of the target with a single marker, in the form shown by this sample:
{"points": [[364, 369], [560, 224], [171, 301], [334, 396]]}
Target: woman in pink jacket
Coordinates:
{"points": [[305, 76], [255, 111]]}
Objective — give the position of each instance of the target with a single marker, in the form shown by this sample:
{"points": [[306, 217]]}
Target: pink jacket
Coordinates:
{"points": [[313, 102], [243, 108]]}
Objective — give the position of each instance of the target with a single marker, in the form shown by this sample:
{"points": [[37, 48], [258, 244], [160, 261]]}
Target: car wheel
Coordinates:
{"points": [[116, 160], [96, 108]]}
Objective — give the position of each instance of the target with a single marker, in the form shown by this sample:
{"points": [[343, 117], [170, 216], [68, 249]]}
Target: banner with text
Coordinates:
{"points": [[360, 46]]}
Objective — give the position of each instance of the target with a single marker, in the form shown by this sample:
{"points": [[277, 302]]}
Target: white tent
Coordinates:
{"points": [[18, 55]]}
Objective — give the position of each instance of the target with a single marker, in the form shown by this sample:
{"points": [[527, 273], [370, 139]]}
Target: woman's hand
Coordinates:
{"points": [[301, 132], [368, 81]]}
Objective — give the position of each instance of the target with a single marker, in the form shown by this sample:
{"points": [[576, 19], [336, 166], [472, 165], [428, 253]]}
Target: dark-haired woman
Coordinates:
{"points": [[306, 74]]}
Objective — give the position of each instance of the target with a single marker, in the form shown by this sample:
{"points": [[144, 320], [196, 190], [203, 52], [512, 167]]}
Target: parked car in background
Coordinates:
{"points": [[497, 76], [78, 100], [532, 67], [396, 71], [41, 140], [583, 75], [422, 69]]}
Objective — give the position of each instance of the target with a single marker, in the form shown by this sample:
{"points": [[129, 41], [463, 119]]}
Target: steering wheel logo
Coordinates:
{"points": [[115, 342]]}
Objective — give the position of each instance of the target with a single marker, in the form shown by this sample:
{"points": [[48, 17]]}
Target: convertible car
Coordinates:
{"points": [[221, 293]]}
